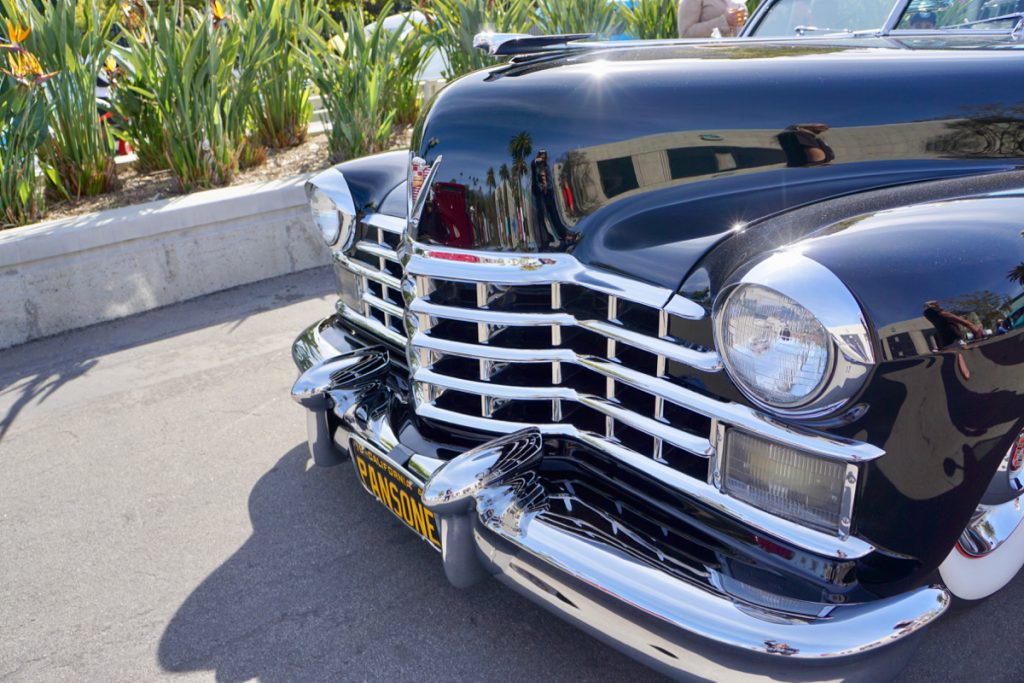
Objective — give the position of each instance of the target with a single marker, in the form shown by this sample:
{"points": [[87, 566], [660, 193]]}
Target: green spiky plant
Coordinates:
{"points": [[402, 89], [452, 24], [352, 68], [134, 75], [652, 19], [281, 109], [600, 17], [23, 130], [205, 65], [80, 148]]}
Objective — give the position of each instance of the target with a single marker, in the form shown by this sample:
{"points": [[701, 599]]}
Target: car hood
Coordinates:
{"points": [[655, 152]]}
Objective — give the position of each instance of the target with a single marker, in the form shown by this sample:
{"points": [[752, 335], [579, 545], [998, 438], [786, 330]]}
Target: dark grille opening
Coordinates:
{"points": [[451, 293], [455, 330], [395, 325], [393, 295], [583, 380], [637, 401], [392, 240], [584, 418], [684, 462], [375, 288], [459, 402], [521, 298], [378, 315], [393, 269], [583, 303], [454, 366], [687, 420], [638, 360], [523, 375], [639, 318], [522, 338], [584, 342], [634, 439], [535, 412], [368, 259]]}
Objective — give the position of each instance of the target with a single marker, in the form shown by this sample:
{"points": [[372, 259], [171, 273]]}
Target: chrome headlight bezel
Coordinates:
{"points": [[328, 195], [820, 292]]}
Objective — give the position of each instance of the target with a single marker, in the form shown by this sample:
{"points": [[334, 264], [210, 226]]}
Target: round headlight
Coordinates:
{"points": [[775, 349], [325, 213]]}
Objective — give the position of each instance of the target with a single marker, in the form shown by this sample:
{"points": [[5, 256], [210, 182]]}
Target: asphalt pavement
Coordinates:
{"points": [[159, 519]]}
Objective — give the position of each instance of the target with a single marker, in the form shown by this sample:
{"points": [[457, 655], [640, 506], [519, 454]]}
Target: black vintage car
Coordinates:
{"points": [[712, 348]]}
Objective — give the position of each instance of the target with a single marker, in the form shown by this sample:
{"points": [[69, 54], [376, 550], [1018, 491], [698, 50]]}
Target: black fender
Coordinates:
{"points": [[945, 413], [373, 180]]}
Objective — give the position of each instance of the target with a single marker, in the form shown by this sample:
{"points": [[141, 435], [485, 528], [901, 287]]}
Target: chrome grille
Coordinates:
{"points": [[373, 259], [577, 356]]}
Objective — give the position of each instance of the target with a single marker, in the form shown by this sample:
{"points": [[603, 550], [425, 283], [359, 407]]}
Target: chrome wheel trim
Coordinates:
{"points": [[989, 553]]}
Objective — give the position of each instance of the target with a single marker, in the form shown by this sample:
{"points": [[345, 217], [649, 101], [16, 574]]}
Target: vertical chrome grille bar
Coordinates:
{"points": [[613, 315], [556, 341], [483, 336], [659, 402], [382, 267]]}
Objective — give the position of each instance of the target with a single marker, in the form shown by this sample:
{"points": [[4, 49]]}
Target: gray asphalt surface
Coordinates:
{"points": [[159, 518]]}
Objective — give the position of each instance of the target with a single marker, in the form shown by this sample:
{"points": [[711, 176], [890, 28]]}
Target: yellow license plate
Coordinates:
{"points": [[395, 492]]}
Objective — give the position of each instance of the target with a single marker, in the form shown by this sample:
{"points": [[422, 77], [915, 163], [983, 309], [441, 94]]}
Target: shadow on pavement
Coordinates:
{"points": [[39, 387], [34, 371], [331, 587]]}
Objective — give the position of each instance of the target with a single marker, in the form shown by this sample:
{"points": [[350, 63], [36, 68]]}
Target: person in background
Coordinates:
{"points": [[699, 18]]}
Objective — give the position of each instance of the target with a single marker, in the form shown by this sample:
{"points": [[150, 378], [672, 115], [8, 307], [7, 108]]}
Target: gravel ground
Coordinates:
{"points": [[159, 519]]}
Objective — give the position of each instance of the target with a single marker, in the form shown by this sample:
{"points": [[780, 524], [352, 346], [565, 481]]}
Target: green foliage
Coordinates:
{"points": [[22, 130], [80, 149], [281, 110], [652, 19], [352, 69], [204, 81], [402, 87], [599, 17], [136, 76], [453, 23]]}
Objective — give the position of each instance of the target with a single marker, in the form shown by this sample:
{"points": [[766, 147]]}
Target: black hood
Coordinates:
{"points": [[656, 152]]}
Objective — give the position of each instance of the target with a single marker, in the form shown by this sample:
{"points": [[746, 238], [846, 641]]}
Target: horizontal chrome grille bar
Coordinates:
{"points": [[803, 537], [731, 413], [451, 264], [378, 251], [369, 273], [706, 361], [386, 306], [392, 224], [371, 325]]}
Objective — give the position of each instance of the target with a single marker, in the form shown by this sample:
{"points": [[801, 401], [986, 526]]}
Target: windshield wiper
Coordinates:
{"points": [[800, 30], [1003, 17]]}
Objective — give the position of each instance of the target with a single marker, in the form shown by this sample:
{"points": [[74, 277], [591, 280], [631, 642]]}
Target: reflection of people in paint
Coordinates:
{"points": [[804, 146], [544, 207], [948, 325], [923, 20]]}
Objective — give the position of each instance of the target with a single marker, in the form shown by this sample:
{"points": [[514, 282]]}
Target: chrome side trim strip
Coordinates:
{"points": [[803, 537]]}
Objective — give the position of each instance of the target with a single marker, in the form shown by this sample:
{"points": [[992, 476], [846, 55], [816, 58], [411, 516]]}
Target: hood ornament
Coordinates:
{"points": [[421, 177]]}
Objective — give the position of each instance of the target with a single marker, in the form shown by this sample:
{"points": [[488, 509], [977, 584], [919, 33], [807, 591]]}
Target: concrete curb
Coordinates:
{"points": [[64, 274]]}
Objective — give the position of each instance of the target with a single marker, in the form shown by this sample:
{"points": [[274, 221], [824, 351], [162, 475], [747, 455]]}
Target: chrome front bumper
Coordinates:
{"points": [[489, 503]]}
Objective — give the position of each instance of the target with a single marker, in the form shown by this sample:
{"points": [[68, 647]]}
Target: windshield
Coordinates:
{"points": [[986, 15], [815, 17]]}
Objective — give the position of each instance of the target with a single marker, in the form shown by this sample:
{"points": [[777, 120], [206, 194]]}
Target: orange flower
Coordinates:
{"points": [[218, 11], [25, 68], [17, 34]]}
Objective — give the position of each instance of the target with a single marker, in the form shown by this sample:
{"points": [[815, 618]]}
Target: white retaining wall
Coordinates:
{"points": [[64, 274]]}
